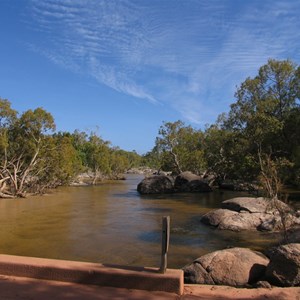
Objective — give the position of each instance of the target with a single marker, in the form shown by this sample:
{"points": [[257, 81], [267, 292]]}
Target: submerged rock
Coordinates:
{"points": [[234, 267]]}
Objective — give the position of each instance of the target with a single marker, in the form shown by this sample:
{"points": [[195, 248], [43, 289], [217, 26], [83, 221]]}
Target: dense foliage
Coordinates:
{"points": [[259, 138], [33, 158], [262, 128]]}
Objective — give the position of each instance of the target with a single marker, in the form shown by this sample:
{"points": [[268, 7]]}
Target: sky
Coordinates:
{"points": [[121, 68]]}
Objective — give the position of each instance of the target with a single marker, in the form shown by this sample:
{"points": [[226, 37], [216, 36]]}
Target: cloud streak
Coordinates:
{"points": [[189, 55]]}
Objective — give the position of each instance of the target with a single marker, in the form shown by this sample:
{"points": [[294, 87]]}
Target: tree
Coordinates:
{"points": [[79, 142], [63, 161], [265, 105], [98, 156], [180, 148], [152, 159], [119, 163], [169, 141], [7, 118], [25, 138]]}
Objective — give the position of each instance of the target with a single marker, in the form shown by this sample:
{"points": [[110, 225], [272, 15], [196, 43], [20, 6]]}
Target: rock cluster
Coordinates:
{"points": [[247, 213], [242, 267], [184, 182]]}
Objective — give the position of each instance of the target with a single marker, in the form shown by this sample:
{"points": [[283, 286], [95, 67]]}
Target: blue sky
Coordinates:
{"points": [[124, 67]]}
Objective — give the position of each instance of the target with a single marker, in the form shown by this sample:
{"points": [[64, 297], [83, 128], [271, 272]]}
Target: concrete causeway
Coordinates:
{"points": [[138, 278], [29, 278]]}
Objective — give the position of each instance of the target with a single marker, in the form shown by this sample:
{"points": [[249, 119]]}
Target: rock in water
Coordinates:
{"points": [[247, 213], [157, 184]]}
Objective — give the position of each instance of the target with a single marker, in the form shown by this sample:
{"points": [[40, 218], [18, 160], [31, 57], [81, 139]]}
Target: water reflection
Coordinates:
{"points": [[112, 223]]}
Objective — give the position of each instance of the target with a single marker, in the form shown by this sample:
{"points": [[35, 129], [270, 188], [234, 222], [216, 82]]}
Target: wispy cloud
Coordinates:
{"points": [[189, 55]]}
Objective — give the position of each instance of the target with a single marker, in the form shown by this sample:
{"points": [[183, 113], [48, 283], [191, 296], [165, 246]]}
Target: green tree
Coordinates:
{"points": [[264, 120], [265, 102], [7, 118], [25, 139], [152, 159], [98, 156], [119, 163], [180, 148], [79, 141], [63, 161]]}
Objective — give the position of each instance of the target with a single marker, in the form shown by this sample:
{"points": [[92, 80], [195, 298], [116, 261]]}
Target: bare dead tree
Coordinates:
{"points": [[271, 183]]}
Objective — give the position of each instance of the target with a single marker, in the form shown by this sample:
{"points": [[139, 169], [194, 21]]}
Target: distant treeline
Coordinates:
{"points": [[259, 138], [34, 158]]}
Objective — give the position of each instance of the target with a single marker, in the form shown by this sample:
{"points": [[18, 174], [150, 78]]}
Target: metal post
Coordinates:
{"points": [[164, 243]]}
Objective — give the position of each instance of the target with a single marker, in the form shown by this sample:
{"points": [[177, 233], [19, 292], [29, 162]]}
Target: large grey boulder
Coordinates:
{"points": [[233, 267], [157, 184], [189, 182], [284, 266]]}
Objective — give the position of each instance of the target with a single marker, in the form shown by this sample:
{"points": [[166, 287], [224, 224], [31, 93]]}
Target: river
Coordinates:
{"points": [[111, 223]]}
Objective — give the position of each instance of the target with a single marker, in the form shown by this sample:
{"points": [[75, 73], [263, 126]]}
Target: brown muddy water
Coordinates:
{"points": [[111, 223]]}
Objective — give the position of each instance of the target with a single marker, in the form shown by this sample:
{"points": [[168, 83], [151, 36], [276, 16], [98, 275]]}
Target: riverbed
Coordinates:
{"points": [[111, 223]]}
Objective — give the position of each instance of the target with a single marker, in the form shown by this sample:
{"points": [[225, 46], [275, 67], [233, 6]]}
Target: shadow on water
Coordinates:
{"points": [[130, 194], [150, 236], [156, 209]]}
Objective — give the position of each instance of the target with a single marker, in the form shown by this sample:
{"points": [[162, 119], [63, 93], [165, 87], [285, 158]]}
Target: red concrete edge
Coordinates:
{"points": [[140, 278]]}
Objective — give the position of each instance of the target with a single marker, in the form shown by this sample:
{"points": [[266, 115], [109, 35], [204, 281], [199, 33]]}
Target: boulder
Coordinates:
{"points": [[233, 267], [284, 266], [214, 217], [248, 213], [157, 184], [189, 182]]}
